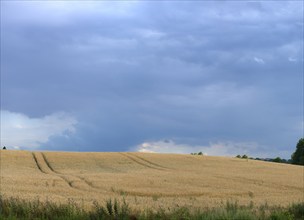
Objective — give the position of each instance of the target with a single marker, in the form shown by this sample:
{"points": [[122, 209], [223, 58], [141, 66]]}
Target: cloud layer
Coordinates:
{"points": [[135, 72], [22, 132], [227, 148]]}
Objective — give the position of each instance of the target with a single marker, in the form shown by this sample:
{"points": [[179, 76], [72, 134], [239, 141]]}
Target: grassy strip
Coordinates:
{"points": [[12, 208]]}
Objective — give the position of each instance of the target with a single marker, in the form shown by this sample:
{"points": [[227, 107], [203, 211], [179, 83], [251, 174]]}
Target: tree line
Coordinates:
{"points": [[296, 158]]}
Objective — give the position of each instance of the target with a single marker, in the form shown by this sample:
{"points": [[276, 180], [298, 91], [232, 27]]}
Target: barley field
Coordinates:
{"points": [[148, 180]]}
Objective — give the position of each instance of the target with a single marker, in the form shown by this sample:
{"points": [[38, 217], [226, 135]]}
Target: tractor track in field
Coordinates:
{"points": [[37, 164], [142, 162], [48, 164], [150, 162], [45, 167]]}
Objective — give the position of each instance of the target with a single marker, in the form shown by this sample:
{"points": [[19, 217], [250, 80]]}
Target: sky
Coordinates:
{"points": [[221, 77]]}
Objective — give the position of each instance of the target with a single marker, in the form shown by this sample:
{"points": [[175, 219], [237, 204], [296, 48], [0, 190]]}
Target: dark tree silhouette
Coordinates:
{"points": [[245, 156], [277, 160], [298, 156]]}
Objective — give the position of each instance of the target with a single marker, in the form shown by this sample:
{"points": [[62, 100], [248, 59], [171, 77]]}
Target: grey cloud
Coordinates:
{"points": [[152, 70]]}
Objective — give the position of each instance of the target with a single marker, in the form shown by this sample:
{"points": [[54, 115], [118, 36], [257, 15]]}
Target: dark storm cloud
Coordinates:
{"points": [[130, 72]]}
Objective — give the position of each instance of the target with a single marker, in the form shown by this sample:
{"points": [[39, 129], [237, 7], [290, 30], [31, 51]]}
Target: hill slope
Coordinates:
{"points": [[148, 180]]}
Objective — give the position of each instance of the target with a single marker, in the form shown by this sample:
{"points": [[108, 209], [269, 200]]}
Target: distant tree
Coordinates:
{"points": [[298, 156], [245, 156], [199, 153], [4, 148], [277, 160], [238, 156]]}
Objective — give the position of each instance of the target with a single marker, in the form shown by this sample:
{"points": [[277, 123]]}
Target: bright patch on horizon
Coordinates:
{"points": [[20, 131]]}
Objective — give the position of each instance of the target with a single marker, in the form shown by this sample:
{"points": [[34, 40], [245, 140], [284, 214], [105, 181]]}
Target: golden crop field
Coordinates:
{"points": [[148, 180]]}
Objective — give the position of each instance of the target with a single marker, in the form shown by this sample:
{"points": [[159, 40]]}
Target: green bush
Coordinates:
{"points": [[298, 156], [12, 208], [277, 160], [297, 210]]}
